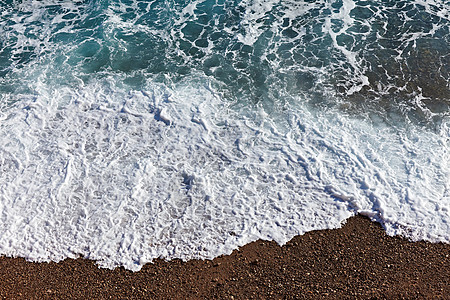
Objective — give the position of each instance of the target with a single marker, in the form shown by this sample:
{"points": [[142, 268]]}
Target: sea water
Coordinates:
{"points": [[133, 130]]}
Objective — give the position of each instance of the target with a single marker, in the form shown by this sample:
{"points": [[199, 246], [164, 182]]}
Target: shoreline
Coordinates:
{"points": [[356, 261]]}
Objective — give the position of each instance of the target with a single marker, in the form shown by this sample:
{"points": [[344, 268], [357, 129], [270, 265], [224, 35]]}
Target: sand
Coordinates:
{"points": [[358, 261]]}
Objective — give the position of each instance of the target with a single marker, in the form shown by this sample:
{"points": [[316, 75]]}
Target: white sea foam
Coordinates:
{"points": [[124, 177], [121, 175]]}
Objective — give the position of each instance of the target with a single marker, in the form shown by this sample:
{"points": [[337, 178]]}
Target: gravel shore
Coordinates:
{"points": [[358, 261]]}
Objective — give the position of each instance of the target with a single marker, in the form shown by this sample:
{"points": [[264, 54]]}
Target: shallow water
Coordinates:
{"points": [[133, 130]]}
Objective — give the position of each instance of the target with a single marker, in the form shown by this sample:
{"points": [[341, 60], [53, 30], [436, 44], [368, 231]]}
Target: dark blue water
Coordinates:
{"points": [[371, 55]]}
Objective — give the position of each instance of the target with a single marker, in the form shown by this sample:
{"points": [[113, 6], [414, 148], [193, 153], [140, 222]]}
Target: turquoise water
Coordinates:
{"points": [[140, 129]]}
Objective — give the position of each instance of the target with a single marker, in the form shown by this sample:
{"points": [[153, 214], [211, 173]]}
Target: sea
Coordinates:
{"points": [[132, 130]]}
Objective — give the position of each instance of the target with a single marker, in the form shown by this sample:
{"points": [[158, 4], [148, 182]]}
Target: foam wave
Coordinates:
{"points": [[257, 120], [123, 177]]}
